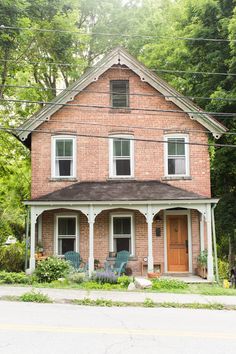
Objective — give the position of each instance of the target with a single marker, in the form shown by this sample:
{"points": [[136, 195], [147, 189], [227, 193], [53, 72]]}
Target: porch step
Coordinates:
{"points": [[184, 274]]}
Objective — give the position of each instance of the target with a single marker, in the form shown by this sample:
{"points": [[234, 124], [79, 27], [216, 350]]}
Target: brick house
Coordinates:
{"points": [[120, 161]]}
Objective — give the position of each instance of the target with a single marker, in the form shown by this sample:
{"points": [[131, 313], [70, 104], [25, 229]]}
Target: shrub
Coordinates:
{"points": [[124, 281], [223, 268], [168, 284], [12, 257], [75, 277], [105, 277], [15, 278], [35, 297], [51, 269]]}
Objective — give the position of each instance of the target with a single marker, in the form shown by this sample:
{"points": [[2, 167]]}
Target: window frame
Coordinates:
{"points": [[132, 236], [126, 94], [111, 156], [166, 156], [56, 236], [55, 138]]}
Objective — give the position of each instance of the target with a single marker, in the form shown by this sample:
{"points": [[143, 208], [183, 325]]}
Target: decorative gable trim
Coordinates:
{"points": [[122, 57]]}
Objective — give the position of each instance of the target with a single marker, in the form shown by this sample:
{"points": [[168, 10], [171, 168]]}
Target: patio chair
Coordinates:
{"points": [[119, 266], [75, 260]]}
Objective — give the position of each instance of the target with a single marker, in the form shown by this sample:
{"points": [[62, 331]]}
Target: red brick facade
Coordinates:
{"points": [[93, 159]]}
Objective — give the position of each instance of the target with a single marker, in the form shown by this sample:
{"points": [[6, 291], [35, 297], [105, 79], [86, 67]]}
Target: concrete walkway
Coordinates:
{"points": [[123, 296]]}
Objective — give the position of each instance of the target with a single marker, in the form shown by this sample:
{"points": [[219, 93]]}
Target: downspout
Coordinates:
{"points": [[27, 238], [214, 241]]}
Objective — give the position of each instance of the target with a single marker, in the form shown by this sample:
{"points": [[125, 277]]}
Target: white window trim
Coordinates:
{"points": [[132, 239], [53, 155], [66, 215], [187, 167], [110, 142]]}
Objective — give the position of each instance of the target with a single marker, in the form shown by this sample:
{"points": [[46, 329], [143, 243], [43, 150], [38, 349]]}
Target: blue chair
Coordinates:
{"points": [[119, 266], [75, 260]]}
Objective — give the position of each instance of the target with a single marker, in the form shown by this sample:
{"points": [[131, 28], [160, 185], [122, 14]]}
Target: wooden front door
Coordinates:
{"points": [[177, 243]]}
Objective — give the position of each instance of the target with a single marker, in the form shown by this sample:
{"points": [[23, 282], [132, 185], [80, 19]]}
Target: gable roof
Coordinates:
{"points": [[122, 57], [119, 191]]}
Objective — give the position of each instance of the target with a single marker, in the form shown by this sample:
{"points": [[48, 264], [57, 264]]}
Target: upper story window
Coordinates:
{"points": [[63, 157], [176, 155], [119, 93], [121, 156]]}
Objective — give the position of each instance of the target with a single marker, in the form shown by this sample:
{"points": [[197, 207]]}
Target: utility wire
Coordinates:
{"points": [[188, 72], [110, 92], [225, 114], [183, 130], [3, 27], [111, 137]]}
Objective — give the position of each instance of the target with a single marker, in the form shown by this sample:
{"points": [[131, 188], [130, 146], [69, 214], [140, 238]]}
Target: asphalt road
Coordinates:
{"points": [[27, 328]]}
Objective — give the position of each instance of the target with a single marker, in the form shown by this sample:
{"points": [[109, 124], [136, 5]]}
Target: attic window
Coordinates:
{"points": [[119, 90], [63, 157]]}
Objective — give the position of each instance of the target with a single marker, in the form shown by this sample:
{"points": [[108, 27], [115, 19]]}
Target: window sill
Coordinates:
{"points": [[120, 178], [120, 110], [66, 179], [176, 178]]}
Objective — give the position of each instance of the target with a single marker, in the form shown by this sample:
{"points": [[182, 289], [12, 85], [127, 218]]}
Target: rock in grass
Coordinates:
{"points": [[131, 287], [141, 283]]}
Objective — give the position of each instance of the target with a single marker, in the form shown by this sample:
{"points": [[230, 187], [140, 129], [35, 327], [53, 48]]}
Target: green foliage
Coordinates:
{"points": [[223, 268], [168, 284], [12, 257], [202, 259], [51, 269], [34, 296], [75, 277], [148, 303], [124, 281], [15, 278], [98, 302]]}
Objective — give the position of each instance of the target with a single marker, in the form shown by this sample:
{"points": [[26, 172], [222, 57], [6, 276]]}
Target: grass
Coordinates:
{"points": [[35, 296]]}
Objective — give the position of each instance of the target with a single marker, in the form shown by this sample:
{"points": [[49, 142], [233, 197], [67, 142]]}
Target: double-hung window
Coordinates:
{"points": [[66, 234], [121, 156], [176, 155], [122, 233], [63, 158], [119, 93]]}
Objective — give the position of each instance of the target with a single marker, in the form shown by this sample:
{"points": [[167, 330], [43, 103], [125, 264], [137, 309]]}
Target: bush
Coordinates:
{"points": [[15, 278], [124, 281], [75, 277], [12, 257], [223, 268], [202, 259], [168, 284], [35, 297], [105, 277], [51, 269]]}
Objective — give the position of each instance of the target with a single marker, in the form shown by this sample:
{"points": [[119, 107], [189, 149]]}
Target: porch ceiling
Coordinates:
{"points": [[119, 191]]}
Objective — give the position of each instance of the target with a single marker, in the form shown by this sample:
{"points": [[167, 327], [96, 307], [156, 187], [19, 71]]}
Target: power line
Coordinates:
{"points": [[183, 130], [188, 72], [226, 114], [105, 34], [110, 92], [111, 137]]}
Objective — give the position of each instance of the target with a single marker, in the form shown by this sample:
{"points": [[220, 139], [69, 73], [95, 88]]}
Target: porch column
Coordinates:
{"points": [[91, 219], [149, 220], [33, 218], [210, 272], [202, 247]]}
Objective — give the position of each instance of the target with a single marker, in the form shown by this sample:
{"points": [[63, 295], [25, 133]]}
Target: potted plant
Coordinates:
{"points": [[39, 250], [202, 264], [96, 263]]}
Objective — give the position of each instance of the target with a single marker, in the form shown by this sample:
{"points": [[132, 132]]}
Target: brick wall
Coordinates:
{"points": [[92, 153]]}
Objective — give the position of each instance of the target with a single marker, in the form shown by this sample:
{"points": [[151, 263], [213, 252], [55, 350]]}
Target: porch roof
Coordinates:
{"points": [[119, 191]]}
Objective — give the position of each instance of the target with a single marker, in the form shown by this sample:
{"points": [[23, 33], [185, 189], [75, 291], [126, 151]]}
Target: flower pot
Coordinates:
{"points": [[153, 275]]}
